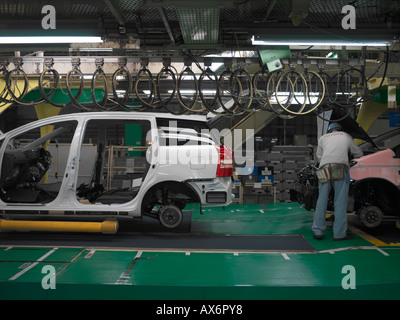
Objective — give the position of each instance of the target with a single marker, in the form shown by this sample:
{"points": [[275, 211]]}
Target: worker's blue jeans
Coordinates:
{"points": [[341, 188]]}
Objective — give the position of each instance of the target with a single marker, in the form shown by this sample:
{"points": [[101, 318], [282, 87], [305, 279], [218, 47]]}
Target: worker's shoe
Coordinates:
{"points": [[318, 236], [348, 236]]}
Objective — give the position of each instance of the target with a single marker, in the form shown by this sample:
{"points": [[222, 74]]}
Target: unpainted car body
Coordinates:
{"points": [[71, 165]]}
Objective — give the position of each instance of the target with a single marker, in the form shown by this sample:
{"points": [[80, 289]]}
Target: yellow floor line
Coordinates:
{"points": [[367, 237]]}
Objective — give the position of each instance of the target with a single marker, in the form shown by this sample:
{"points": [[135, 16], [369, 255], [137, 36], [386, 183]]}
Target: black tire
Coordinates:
{"points": [[371, 216], [171, 216]]}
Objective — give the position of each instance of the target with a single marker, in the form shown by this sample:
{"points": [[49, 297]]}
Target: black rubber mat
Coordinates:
{"points": [[162, 241], [222, 242], [148, 233]]}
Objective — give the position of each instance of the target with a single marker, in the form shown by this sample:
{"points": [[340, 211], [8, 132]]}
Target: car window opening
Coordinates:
{"points": [[112, 164]]}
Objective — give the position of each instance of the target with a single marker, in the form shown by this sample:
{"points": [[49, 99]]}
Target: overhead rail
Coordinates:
{"points": [[290, 91], [177, 59]]}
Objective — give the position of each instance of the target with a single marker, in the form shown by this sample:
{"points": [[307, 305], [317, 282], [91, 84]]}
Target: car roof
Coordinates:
{"points": [[124, 114], [111, 114]]}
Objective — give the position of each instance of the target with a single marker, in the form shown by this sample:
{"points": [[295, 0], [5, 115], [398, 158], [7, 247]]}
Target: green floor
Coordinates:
{"points": [[279, 218], [82, 273]]}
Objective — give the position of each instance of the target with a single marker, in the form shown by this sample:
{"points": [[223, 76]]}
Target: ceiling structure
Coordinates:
{"points": [[167, 28], [212, 25]]}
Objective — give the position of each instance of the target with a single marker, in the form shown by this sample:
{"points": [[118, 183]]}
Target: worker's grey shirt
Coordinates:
{"points": [[335, 147]]}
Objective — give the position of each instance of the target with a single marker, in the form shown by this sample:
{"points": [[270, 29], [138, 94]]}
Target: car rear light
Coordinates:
{"points": [[225, 162]]}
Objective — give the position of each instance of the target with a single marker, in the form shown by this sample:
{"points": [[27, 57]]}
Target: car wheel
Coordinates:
{"points": [[371, 216], [171, 216]]}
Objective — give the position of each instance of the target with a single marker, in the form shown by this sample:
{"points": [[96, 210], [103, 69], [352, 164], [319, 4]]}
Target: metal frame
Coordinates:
{"points": [[180, 58]]}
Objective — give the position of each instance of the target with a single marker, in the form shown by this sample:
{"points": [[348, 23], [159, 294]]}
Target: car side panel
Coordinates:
{"points": [[381, 164], [193, 165]]}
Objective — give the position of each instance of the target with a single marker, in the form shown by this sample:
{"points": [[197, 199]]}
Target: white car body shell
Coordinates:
{"points": [[198, 169]]}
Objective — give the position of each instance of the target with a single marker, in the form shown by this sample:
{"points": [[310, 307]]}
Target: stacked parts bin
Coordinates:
{"points": [[285, 162]]}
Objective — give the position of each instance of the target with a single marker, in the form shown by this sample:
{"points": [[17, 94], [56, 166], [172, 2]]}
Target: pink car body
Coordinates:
{"points": [[375, 187], [381, 164]]}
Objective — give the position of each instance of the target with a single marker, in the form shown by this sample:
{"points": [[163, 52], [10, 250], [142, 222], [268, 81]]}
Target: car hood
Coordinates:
{"points": [[351, 126]]}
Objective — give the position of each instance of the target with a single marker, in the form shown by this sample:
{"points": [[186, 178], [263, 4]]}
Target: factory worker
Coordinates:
{"points": [[333, 153]]}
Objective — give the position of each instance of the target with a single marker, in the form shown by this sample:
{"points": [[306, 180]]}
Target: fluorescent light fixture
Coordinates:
{"points": [[318, 43], [91, 49], [188, 91], [53, 39]]}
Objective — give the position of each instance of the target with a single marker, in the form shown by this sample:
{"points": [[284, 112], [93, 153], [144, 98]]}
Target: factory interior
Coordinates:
{"points": [[170, 150]]}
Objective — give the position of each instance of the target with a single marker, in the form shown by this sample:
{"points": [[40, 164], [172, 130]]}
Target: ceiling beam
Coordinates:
{"points": [[116, 11], [163, 16], [232, 4], [270, 8]]}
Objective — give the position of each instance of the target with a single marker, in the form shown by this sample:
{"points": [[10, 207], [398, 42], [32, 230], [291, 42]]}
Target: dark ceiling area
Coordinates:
{"points": [[208, 24]]}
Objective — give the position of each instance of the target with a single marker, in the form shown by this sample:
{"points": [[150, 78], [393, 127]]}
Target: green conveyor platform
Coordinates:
{"points": [[157, 274]]}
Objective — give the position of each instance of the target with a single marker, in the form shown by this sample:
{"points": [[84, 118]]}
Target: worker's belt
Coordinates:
{"points": [[332, 172]]}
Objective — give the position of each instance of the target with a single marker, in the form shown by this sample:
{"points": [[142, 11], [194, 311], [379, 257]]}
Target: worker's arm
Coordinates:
{"points": [[320, 150], [354, 149]]}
